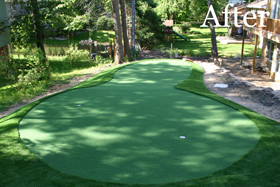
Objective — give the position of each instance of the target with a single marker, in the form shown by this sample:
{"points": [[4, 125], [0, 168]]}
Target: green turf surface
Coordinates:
{"points": [[128, 130]]}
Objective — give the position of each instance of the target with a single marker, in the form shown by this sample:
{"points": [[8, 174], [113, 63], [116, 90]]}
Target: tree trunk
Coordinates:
{"points": [[118, 32], [37, 26], [133, 27], [124, 30], [213, 34]]}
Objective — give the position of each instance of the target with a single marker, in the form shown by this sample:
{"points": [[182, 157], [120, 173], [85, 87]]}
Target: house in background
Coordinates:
{"points": [[233, 30], [257, 6], [236, 1], [270, 56], [4, 31], [15, 8]]}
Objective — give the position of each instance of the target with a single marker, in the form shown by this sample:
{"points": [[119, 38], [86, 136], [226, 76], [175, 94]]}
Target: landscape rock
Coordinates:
{"points": [[220, 85], [276, 93], [268, 90]]}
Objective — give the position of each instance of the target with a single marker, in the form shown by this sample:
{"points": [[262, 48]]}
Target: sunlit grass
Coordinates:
{"points": [[65, 77], [103, 36], [199, 44], [202, 47], [61, 73]]}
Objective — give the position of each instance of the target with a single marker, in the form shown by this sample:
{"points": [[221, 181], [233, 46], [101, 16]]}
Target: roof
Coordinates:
{"points": [[259, 4], [168, 23], [238, 6]]}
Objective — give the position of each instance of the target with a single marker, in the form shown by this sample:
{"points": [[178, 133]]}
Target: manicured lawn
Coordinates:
{"points": [[260, 167], [200, 44]]}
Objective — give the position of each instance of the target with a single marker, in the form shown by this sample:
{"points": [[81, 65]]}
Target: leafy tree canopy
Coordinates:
{"points": [[186, 10], [149, 26]]}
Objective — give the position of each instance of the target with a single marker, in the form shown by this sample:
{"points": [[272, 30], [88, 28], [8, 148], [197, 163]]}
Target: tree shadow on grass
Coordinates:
{"points": [[129, 130]]}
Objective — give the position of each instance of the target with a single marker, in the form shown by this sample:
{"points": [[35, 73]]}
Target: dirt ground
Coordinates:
{"points": [[255, 91]]}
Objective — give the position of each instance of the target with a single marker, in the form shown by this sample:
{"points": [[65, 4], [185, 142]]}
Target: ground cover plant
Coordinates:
{"points": [[20, 167]]}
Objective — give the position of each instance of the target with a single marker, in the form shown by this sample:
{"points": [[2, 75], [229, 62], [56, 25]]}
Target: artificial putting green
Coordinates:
{"points": [[138, 128]]}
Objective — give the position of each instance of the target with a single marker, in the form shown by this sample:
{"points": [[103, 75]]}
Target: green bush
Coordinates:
{"points": [[7, 70], [33, 70], [149, 29], [177, 29], [78, 58], [186, 26], [183, 28], [105, 23], [102, 60]]}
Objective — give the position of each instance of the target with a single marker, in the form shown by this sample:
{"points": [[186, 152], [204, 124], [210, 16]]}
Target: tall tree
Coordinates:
{"points": [[70, 15], [171, 9], [124, 30], [149, 26], [118, 32], [27, 24], [133, 13], [186, 10], [213, 34], [37, 23]]}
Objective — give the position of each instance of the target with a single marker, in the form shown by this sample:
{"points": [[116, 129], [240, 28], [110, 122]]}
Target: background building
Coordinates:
{"points": [[4, 31], [270, 57]]}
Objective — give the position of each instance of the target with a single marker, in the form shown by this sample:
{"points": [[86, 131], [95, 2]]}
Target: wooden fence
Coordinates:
{"points": [[105, 50]]}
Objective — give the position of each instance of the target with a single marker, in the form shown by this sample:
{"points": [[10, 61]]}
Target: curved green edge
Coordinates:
{"points": [[100, 78], [259, 167]]}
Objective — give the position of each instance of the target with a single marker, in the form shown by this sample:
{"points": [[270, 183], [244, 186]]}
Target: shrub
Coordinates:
{"points": [[149, 29], [7, 69], [105, 23], [183, 28], [78, 58], [177, 29], [102, 60], [189, 53], [186, 26], [33, 70]]}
